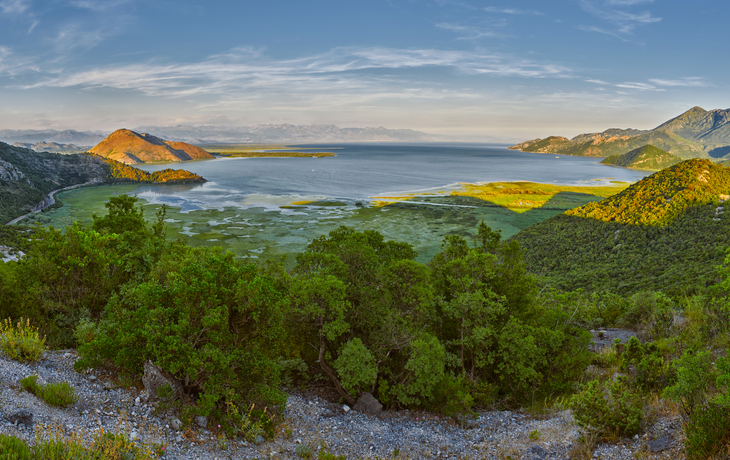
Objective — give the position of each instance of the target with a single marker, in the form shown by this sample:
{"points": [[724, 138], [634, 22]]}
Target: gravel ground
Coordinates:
{"points": [[310, 423]]}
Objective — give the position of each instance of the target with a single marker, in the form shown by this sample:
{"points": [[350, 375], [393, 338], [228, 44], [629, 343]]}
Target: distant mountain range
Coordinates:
{"points": [[287, 133], [129, 147], [69, 136], [207, 134], [697, 133], [50, 147]]}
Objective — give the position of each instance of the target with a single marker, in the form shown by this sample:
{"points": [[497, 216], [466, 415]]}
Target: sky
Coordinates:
{"points": [[505, 70]]}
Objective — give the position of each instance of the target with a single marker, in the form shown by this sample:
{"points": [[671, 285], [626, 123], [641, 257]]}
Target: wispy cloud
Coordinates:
{"points": [[341, 69], [99, 5], [14, 6], [598, 82], [467, 32], [75, 35], [618, 15], [494, 9], [689, 81], [639, 86]]}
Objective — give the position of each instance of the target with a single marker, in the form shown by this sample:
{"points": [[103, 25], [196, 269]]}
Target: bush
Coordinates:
{"points": [[608, 408], [708, 432], [59, 394], [56, 394], [695, 375], [21, 341], [31, 385], [14, 449], [207, 320]]}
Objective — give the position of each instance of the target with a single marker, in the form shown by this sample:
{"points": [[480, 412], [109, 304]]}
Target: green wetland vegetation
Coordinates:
{"points": [[475, 321]]}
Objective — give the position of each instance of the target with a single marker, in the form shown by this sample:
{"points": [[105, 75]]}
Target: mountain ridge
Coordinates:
{"points": [[648, 157], [696, 133]]}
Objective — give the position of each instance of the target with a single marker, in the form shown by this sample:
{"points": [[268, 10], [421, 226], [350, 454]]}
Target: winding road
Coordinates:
{"points": [[51, 200]]}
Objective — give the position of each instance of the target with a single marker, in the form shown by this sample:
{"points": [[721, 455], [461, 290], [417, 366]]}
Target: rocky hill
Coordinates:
{"points": [[130, 147], [54, 147], [696, 133], [68, 136], [666, 232], [647, 157]]}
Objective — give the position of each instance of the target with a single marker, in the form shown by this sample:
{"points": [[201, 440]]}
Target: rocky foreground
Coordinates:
{"points": [[311, 423]]}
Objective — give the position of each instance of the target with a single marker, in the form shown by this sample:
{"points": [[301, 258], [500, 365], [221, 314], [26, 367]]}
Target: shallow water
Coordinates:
{"points": [[240, 207]]}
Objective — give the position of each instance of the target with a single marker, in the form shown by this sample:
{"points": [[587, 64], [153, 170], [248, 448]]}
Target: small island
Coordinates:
{"points": [[263, 151]]}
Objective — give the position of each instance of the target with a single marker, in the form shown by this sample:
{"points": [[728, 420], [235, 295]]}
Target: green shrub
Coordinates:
{"points": [[56, 394], [695, 375], [12, 448], [356, 367], [21, 341], [59, 394], [31, 385], [608, 408], [708, 433], [206, 319]]}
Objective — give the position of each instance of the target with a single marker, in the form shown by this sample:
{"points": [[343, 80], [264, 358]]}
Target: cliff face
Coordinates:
{"points": [[132, 148]]}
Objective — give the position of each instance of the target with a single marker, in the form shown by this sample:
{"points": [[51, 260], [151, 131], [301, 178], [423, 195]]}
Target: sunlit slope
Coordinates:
{"points": [[666, 232], [661, 197], [129, 147], [696, 133], [648, 158]]}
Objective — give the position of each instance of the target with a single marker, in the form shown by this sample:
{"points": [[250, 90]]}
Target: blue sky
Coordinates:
{"points": [[484, 70]]}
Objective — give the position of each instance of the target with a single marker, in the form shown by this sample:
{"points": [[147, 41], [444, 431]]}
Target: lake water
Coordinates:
{"points": [[245, 205], [360, 171]]}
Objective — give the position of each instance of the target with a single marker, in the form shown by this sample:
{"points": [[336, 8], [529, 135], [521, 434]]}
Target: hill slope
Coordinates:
{"points": [[696, 133], [680, 238], [647, 157], [129, 147], [27, 177]]}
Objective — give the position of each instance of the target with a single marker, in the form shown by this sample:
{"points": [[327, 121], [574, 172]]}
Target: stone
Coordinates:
{"points": [[201, 421], [368, 404], [660, 444], [346, 408], [536, 452], [154, 379], [92, 378], [21, 417], [332, 409], [176, 424], [258, 440]]}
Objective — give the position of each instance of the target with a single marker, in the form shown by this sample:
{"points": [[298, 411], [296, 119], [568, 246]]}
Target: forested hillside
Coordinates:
{"points": [[667, 232], [647, 157]]}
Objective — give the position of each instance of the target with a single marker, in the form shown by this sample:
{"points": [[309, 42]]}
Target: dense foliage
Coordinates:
{"points": [[663, 196], [120, 172], [646, 157], [678, 242]]}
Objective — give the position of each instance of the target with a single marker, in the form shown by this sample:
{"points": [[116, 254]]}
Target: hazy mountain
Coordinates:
{"points": [[50, 147], [696, 133], [130, 147], [69, 136], [647, 157], [287, 133]]}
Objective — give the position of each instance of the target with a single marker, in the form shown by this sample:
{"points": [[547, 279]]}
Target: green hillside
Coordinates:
{"points": [[663, 196], [667, 232], [26, 177], [697, 133], [647, 157]]}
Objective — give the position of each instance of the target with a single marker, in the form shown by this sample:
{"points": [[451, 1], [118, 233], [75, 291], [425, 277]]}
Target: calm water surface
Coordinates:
{"points": [[361, 171]]}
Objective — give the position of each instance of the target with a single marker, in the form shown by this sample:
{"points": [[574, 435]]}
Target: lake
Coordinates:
{"points": [[246, 205]]}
